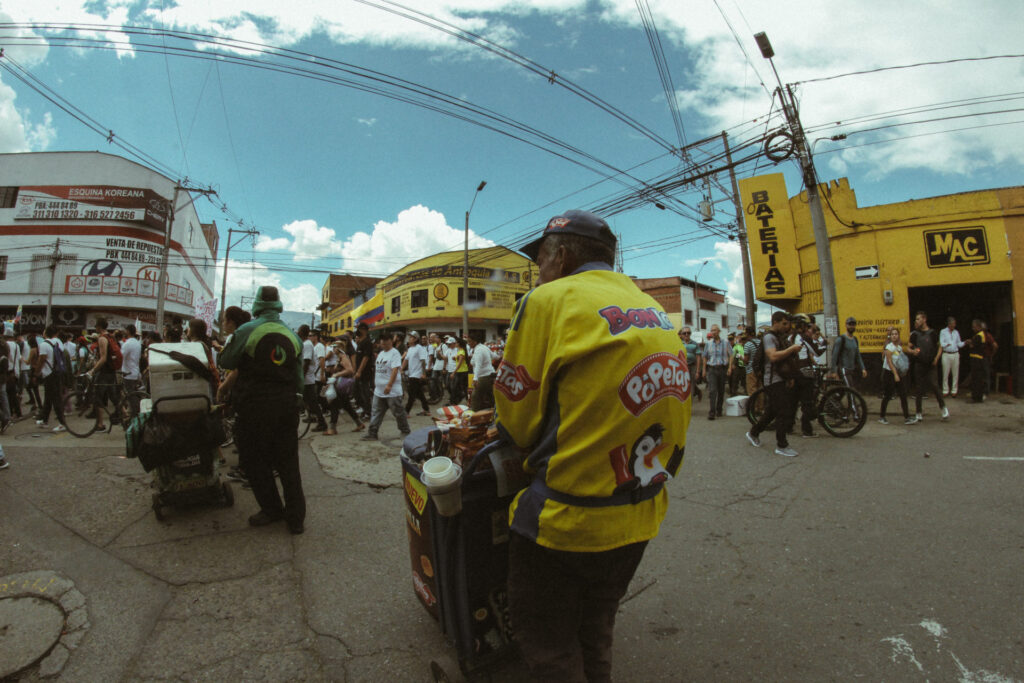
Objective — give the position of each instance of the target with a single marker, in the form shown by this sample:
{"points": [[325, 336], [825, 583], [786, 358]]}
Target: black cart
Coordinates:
{"points": [[460, 563]]}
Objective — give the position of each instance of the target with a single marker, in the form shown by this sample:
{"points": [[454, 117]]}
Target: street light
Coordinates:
{"points": [[465, 264], [696, 301]]}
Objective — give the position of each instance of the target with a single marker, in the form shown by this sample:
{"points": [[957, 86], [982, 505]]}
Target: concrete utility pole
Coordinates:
{"points": [[465, 265], [224, 279], [162, 282], [54, 260], [810, 178], [741, 231]]}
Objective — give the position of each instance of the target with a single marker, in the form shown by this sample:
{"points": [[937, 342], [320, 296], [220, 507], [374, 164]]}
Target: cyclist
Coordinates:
{"points": [[807, 383]]}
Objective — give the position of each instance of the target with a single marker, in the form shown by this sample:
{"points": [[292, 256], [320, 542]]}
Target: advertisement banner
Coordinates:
{"points": [[771, 236], [92, 203]]}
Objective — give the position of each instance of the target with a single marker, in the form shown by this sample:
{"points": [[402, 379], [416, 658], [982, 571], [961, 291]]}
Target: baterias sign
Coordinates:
{"points": [[92, 203]]}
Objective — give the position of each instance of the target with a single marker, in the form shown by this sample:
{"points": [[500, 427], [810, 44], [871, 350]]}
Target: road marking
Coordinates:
{"points": [[992, 457], [903, 650]]}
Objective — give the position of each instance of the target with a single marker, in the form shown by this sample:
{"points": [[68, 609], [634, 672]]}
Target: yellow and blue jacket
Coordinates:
{"points": [[593, 385]]}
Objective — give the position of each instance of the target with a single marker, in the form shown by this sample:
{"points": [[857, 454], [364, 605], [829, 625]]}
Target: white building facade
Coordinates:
{"points": [[86, 232]]}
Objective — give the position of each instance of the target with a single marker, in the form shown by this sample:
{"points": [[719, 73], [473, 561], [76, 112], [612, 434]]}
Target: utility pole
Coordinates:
{"points": [[54, 260], [224, 279], [810, 178], [465, 265], [741, 231], [162, 282]]}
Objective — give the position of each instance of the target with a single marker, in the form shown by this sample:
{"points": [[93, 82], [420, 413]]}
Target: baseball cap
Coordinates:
{"points": [[449, 340], [851, 320], [575, 222], [414, 334]]}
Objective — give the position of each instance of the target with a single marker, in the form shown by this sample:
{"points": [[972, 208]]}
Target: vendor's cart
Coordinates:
{"points": [[460, 563]]}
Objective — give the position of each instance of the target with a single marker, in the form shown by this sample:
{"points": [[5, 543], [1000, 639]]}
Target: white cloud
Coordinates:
{"points": [[264, 243], [367, 122], [309, 241], [245, 277], [417, 232], [17, 131]]}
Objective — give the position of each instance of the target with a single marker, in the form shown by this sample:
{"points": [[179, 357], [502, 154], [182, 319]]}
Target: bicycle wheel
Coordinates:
{"points": [[303, 424], [842, 412], [80, 415], [128, 407], [757, 402]]}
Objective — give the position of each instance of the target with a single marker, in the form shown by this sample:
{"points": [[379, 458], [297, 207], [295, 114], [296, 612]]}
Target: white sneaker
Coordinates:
{"points": [[788, 452], [40, 423], [60, 428], [754, 441], [910, 421], [919, 418], [945, 413], [882, 421]]}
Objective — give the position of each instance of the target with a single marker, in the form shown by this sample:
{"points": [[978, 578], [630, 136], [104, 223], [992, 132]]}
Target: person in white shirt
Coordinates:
{"points": [[482, 365], [48, 346], [131, 356], [310, 372], [387, 389], [949, 340], [437, 378], [416, 359], [25, 373], [13, 387]]}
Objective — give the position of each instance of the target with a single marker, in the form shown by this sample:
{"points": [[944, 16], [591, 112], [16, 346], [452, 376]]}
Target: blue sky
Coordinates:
{"points": [[337, 179]]}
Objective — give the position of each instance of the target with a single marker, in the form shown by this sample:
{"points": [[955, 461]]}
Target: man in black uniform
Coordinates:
{"points": [[925, 351], [268, 356]]}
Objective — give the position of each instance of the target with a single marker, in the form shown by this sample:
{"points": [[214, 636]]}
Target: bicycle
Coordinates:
{"points": [[842, 411], [81, 416]]}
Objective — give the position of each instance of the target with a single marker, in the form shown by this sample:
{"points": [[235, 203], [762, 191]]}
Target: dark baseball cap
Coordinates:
{"points": [[575, 222]]}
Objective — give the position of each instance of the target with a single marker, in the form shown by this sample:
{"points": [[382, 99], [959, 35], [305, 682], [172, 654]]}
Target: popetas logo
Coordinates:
{"points": [[619, 320], [654, 378], [514, 381]]}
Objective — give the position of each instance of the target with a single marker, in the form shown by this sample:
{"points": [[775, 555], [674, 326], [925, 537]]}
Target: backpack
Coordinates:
{"points": [[114, 358], [61, 362], [757, 362]]}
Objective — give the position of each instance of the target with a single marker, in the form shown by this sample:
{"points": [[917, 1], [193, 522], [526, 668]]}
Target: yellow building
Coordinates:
{"points": [[427, 295], [955, 255]]}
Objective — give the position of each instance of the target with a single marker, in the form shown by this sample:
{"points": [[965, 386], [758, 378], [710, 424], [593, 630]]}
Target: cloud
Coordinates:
{"points": [[309, 241], [245, 276], [17, 131], [416, 233], [367, 122]]}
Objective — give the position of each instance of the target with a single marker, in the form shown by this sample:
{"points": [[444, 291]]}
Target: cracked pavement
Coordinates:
{"points": [[766, 568]]}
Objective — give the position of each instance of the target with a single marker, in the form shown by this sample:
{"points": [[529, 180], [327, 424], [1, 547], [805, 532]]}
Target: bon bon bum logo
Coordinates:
{"points": [[652, 379]]}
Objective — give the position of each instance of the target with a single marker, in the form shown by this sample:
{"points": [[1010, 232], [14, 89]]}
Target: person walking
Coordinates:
{"points": [[483, 375], [416, 361], [693, 359], [268, 358], [716, 369], [983, 348], [925, 351], [579, 531], [310, 373], [753, 379], [895, 368], [387, 391], [779, 389], [364, 370], [737, 366], [847, 363], [949, 340]]}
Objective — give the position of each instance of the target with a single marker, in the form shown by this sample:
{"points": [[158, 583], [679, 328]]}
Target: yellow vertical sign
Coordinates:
{"points": [[771, 236]]}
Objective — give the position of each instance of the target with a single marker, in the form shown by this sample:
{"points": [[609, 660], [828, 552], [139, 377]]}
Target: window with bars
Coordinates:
{"points": [[476, 295], [7, 197], [419, 298]]}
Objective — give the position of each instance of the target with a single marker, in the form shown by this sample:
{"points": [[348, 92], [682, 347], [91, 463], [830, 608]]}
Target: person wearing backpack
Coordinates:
{"points": [[774, 351], [104, 371], [847, 363], [49, 368]]}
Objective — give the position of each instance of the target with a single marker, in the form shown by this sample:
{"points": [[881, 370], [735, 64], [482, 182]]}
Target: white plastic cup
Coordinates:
{"points": [[443, 479]]}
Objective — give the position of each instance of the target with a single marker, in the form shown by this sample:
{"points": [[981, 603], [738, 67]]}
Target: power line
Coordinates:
{"points": [[905, 66]]}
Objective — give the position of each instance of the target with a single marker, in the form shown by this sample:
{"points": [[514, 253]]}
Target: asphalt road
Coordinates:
{"points": [[897, 555]]}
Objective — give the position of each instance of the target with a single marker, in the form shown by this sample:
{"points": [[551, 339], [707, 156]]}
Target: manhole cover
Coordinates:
{"points": [[34, 435], [29, 627]]}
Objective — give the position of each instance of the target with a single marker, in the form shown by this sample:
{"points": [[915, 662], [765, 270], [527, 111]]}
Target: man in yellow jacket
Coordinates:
{"points": [[594, 387]]}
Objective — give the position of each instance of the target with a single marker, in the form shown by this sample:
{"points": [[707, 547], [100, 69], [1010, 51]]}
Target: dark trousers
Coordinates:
{"points": [[437, 381], [343, 402], [458, 386], [781, 407], [53, 397], [716, 389], [979, 378], [737, 380], [890, 385], [415, 388], [926, 384], [362, 390], [483, 393], [267, 440], [562, 607], [806, 392], [311, 397]]}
